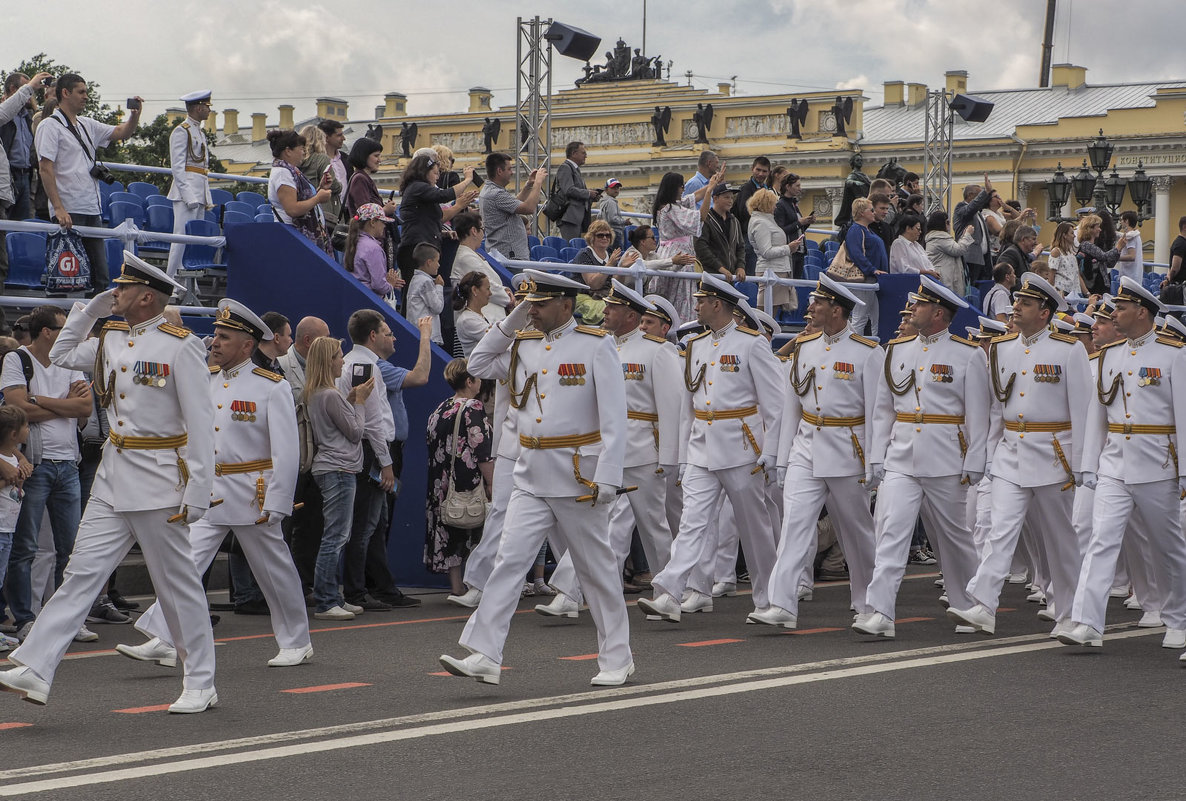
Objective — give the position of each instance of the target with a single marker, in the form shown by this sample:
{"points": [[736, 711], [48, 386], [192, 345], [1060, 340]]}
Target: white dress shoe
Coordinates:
{"points": [[939, 582], [334, 613], [978, 617], [1132, 603], [1150, 620], [1036, 597], [194, 701], [25, 683], [773, 616], [806, 593], [1018, 578], [1174, 638], [560, 606], [1118, 592], [1046, 613], [469, 600], [874, 624], [943, 600], [724, 589], [85, 635], [664, 607], [474, 666], [1060, 627], [152, 651], [289, 657], [696, 602], [965, 630], [1081, 634], [612, 678]]}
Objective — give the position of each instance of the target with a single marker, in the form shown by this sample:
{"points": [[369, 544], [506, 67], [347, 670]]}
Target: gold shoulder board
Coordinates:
{"points": [[654, 338], [1005, 337], [174, 330], [115, 325], [591, 330], [701, 335], [1091, 356], [963, 341], [529, 334], [863, 340], [799, 340], [268, 374], [1061, 337], [214, 369], [185, 125], [745, 330], [1171, 342], [1112, 344], [900, 340]]}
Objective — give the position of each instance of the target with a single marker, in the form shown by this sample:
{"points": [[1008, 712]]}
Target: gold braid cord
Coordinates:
{"points": [[576, 472], [749, 435], [857, 450], [801, 385], [261, 490], [104, 384], [182, 471], [1174, 456], [963, 451], [1002, 394], [897, 389], [692, 384], [1062, 458], [518, 398], [1106, 396]]}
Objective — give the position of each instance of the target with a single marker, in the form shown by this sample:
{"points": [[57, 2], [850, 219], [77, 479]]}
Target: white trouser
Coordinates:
{"points": [[480, 562], [583, 529], [1136, 554], [1153, 509], [644, 506], [867, 312], [674, 506], [41, 572], [271, 564], [182, 214], [721, 539], [104, 538], [848, 506], [1049, 510], [943, 502], [980, 514], [746, 491]]}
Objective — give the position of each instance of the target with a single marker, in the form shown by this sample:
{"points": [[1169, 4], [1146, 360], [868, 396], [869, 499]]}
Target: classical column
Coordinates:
{"points": [[1023, 190], [1162, 229], [835, 195]]}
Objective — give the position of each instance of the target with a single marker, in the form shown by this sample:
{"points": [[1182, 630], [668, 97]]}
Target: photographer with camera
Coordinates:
{"points": [[67, 146]]}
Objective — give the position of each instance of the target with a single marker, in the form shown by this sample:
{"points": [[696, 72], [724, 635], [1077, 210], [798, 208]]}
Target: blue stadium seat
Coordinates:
{"points": [[578, 242], [125, 197], [265, 216], [121, 211], [811, 271], [550, 260], [241, 207], [158, 218], [254, 198], [627, 231], [541, 252], [220, 196], [26, 259], [201, 257], [115, 257], [812, 245], [212, 215], [236, 218], [555, 242], [568, 254], [532, 241], [749, 290], [157, 200], [143, 189]]}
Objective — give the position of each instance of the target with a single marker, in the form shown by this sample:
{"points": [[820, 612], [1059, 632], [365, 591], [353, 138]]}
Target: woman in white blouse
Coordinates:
{"points": [[469, 298], [907, 255], [470, 232]]}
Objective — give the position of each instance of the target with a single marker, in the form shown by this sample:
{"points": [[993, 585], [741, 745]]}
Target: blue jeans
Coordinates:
{"points": [[53, 484], [22, 204], [337, 510], [5, 550]]}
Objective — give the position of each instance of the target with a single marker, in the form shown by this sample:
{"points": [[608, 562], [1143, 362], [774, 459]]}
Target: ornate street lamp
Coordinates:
{"points": [[1114, 192], [1100, 153], [1084, 185], [1058, 191], [1140, 188]]}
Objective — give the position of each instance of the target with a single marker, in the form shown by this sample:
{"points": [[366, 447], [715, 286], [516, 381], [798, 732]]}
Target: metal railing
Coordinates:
{"points": [[29, 302], [127, 232], [218, 176]]}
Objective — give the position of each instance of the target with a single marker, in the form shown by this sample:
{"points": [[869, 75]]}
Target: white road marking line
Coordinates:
{"points": [[535, 715]]}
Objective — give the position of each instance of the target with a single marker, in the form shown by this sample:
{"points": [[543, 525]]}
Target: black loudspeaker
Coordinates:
{"points": [[572, 42], [971, 109]]}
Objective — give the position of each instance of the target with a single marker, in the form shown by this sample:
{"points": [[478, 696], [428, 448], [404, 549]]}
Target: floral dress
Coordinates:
{"points": [[445, 546], [679, 225]]}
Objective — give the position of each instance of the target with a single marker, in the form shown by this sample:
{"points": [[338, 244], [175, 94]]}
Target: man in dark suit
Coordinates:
{"points": [[966, 213], [570, 185]]}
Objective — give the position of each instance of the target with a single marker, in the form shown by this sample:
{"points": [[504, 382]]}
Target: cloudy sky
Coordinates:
{"points": [[257, 54]]}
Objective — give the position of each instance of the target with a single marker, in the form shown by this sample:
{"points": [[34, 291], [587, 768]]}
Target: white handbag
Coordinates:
{"points": [[462, 509]]}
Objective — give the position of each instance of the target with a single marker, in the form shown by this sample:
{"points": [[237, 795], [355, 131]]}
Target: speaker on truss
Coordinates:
{"points": [[572, 42], [971, 109]]}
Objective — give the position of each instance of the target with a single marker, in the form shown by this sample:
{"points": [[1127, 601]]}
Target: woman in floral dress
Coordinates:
{"points": [[445, 547], [678, 222]]}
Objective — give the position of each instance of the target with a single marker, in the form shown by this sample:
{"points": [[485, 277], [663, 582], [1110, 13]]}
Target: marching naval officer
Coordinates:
{"points": [[1042, 381], [663, 322], [189, 159], [652, 377], [1131, 460], [569, 404], [255, 448], [153, 482], [833, 387], [928, 446], [728, 441]]}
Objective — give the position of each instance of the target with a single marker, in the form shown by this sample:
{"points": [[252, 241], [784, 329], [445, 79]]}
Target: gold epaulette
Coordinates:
{"points": [[963, 341], [214, 369], [185, 125], [782, 358], [863, 340], [701, 335], [592, 330], [654, 338], [1117, 343], [900, 340], [116, 325], [529, 334], [799, 340], [268, 374], [745, 330], [1005, 337], [178, 331], [1176, 343], [1059, 336], [1091, 356]]}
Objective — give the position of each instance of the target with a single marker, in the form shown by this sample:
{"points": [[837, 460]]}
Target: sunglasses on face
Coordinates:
{"points": [[603, 236]]}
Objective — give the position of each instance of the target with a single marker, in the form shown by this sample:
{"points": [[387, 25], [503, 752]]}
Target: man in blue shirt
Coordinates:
{"points": [[706, 167]]}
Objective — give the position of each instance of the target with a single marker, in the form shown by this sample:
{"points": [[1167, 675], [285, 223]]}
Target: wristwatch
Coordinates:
{"points": [[33, 400]]}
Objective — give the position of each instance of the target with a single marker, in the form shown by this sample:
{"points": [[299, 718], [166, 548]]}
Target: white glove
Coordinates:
{"points": [[782, 476], [683, 468], [1182, 487], [100, 305], [766, 461], [1078, 476], [192, 513], [275, 518], [973, 477], [1089, 479], [606, 495], [988, 470], [874, 473], [516, 320]]}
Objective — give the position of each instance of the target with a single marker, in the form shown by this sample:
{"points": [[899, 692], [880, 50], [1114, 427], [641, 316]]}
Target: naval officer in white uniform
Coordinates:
{"points": [[189, 161]]}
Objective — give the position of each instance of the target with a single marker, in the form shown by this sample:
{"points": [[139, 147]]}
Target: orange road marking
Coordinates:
{"points": [[912, 619], [4, 726], [705, 642], [321, 688], [140, 710], [813, 631], [580, 658]]}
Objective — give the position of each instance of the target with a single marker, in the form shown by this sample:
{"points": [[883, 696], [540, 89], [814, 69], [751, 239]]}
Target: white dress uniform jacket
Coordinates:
{"points": [[189, 160], [650, 368]]}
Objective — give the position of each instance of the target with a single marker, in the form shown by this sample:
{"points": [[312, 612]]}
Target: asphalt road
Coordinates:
{"points": [[717, 709]]}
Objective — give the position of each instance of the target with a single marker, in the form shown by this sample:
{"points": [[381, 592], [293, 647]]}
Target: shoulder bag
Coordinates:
{"points": [[464, 509]]}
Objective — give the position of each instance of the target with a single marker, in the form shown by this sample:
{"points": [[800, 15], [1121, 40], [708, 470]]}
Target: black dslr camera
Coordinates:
{"points": [[100, 172]]}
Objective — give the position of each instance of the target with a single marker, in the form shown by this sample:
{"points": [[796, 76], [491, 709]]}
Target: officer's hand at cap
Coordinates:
{"points": [[102, 304]]}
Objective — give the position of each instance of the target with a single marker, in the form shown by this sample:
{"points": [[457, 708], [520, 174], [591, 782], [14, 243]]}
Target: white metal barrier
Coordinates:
{"points": [[127, 232], [218, 176]]}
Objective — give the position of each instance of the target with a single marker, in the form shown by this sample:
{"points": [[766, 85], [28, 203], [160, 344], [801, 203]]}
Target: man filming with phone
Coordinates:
{"points": [[67, 146]]}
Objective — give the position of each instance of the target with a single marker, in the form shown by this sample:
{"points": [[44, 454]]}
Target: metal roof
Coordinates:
{"points": [[1013, 108]]}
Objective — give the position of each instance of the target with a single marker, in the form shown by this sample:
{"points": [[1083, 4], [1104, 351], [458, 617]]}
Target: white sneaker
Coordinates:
{"points": [[154, 650], [696, 602], [470, 600], [541, 588], [353, 609], [85, 635], [724, 589], [193, 701], [560, 606], [334, 613]]}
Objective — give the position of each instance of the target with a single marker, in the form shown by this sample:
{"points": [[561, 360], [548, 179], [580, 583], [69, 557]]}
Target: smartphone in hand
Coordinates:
{"points": [[359, 374]]}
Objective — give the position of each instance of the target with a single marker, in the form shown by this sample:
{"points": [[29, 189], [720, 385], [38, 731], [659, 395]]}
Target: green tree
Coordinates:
{"points": [[43, 63], [150, 146]]}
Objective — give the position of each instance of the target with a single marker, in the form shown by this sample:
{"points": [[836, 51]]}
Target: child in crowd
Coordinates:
{"points": [[365, 257], [426, 296], [14, 432]]}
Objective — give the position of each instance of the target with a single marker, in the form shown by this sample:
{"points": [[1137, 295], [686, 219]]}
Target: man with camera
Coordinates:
{"points": [[67, 146]]}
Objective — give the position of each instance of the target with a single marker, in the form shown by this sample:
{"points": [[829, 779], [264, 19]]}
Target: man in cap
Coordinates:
{"points": [[1131, 460], [255, 445], [153, 482], [729, 441], [721, 245], [189, 161], [661, 320], [1042, 381], [980, 500], [928, 446], [612, 213], [651, 371], [569, 407]]}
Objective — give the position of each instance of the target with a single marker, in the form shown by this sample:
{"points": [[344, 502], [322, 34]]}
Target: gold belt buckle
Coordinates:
{"points": [[533, 443], [709, 415], [1020, 426], [918, 418], [1127, 428]]}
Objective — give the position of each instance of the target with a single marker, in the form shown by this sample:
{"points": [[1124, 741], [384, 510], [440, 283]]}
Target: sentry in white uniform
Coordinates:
{"points": [[189, 161]]}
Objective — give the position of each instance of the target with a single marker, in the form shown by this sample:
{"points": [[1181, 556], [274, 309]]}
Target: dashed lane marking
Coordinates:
{"points": [[6, 726], [703, 643], [579, 658], [140, 710], [324, 688]]}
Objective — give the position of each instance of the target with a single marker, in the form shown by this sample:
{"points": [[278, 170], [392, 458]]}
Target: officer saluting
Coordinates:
{"points": [[833, 386], [1043, 382], [928, 445], [154, 480], [569, 408], [651, 372], [255, 448], [1131, 460], [729, 440], [189, 160]]}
